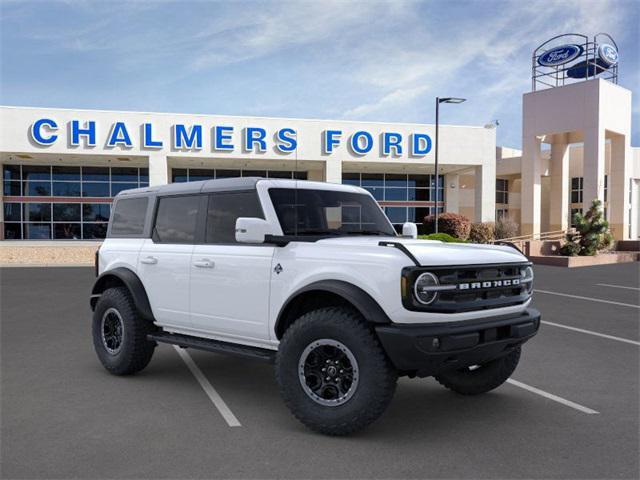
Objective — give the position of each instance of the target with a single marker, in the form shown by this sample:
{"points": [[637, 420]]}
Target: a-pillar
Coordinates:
{"points": [[485, 192], [593, 167], [158, 169], [559, 210], [618, 188], [531, 186]]}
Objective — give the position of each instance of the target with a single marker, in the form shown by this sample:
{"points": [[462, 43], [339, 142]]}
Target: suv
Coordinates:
{"points": [[312, 277]]}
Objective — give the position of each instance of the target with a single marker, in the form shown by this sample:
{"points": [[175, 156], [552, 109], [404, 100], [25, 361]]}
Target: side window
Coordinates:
{"points": [[176, 219], [128, 217], [224, 209]]}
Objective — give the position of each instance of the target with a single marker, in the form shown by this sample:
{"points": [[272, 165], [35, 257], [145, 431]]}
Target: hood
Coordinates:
{"points": [[436, 253]]}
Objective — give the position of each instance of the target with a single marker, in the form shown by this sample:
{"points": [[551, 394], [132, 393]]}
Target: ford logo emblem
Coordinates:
{"points": [[608, 54], [560, 55]]}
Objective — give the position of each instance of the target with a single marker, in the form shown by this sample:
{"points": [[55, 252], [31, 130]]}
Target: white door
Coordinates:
{"points": [[230, 281], [164, 262]]}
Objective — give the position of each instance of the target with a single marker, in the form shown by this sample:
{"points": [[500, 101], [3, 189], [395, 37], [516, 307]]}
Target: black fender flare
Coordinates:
{"points": [[131, 281], [361, 300]]}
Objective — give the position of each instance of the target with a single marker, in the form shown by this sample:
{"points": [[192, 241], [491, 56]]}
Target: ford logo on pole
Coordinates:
{"points": [[608, 54], [560, 55]]}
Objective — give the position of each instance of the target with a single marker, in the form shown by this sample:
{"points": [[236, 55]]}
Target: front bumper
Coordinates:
{"points": [[426, 350]]}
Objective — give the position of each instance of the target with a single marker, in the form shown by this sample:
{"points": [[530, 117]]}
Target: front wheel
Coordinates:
{"points": [[333, 373], [481, 378]]}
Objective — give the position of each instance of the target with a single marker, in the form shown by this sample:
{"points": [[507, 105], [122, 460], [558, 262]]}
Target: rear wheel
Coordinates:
{"points": [[332, 372], [481, 378], [120, 333]]}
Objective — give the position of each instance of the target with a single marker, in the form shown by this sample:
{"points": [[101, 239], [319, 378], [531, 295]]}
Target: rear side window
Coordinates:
{"points": [[176, 219], [128, 217], [223, 211]]}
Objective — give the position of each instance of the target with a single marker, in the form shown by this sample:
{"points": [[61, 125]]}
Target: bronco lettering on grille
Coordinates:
{"points": [[510, 282]]}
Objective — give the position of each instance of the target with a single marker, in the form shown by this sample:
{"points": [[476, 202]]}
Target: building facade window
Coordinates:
{"points": [[73, 202], [195, 174], [576, 189], [502, 213], [573, 212], [502, 191]]}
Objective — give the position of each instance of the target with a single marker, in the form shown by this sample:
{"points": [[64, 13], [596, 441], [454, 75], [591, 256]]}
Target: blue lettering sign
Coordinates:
{"points": [[119, 136], [420, 144], [331, 139], [358, 147], [37, 134], [147, 137], [560, 55], [89, 131], [391, 140], [286, 140], [186, 139], [222, 136], [255, 136]]}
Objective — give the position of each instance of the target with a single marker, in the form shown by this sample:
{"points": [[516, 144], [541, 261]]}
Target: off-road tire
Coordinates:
{"points": [[377, 377], [135, 351], [483, 379]]}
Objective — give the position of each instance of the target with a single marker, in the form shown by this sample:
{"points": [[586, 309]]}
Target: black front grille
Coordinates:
{"points": [[472, 287]]}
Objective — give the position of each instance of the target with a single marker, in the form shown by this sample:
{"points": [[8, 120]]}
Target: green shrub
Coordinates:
{"points": [[454, 224], [443, 237], [506, 228], [592, 233], [484, 232]]}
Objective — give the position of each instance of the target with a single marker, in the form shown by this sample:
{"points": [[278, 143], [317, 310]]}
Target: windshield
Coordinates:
{"points": [[328, 212]]}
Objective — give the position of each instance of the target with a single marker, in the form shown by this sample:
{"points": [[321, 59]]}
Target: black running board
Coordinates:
{"points": [[187, 341]]}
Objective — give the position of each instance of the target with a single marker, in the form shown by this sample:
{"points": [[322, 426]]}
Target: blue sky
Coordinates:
{"points": [[374, 61]]}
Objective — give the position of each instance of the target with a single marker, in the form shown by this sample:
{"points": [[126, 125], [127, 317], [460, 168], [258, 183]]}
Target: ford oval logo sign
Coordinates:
{"points": [[608, 54], [560, 55]]}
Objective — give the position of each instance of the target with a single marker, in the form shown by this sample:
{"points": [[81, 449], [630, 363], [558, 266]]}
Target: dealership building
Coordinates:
{"points": [[62, 167]]}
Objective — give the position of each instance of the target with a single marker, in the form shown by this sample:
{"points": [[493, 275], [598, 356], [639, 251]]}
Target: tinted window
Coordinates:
{"points": [[223, 211], [128, 217], [176, 219]]}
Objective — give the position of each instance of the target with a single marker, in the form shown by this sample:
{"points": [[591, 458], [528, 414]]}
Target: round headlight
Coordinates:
{"points": [[425, 288], [527, 279]]}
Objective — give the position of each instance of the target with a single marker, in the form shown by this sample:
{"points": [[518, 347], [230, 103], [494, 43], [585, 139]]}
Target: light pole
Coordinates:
{"points": [[438, 102]]}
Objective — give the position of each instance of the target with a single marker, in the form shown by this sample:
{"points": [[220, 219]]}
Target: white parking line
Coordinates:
{"points": [[555, 398], [588, 298], [616, 286], [590, 332], [217, 400]]}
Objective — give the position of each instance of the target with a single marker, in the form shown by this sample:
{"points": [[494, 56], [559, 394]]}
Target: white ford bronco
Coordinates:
{"points": [[312, 277]]}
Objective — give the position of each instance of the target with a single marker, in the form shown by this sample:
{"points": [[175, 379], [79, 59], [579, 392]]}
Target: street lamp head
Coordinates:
{"points": [[451, 100]]}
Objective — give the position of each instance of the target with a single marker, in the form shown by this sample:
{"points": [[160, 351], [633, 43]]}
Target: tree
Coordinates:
{"points": [[591, 235]]}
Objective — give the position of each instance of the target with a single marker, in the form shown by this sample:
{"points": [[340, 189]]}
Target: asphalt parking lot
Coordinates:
{"points": [[572, 410]]}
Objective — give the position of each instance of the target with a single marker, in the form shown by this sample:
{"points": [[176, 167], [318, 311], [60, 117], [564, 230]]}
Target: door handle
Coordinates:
{"points": [[149, 260], [204, 263]]}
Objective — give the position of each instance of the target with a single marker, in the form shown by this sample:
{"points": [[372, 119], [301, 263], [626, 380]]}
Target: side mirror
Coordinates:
{"points": [[251, 230], [410, 230]]}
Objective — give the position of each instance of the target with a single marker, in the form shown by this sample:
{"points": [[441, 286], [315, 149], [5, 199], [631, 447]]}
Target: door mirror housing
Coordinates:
{"points": [[410, 230], [251, 230]]}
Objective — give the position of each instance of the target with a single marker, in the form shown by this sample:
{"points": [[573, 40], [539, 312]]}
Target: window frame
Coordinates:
{"points": [[143, 234], [198, 235], [209, 195]]}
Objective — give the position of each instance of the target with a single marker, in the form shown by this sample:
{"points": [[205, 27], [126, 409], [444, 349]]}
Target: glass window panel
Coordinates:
{"points": [[421, 214], [278, 174], [300, 175], [395, 194], [395, 180], [575, 183], [144, 184], [176, 219], [372, 179], [254, 173], [196, 174], [116, 188], [179, 175], [12, 231], [94, 230], [69, 231], [419, 181], [11, 172], [37, 189], [36, 172], [124, 174], [66, 173], [129, 216], [66, 212], [66, 189], [144, 175], [223, 211], [221, 173], [96, 212], [37, 231], [12, 212], [441, 195], [95, 174], [440, 181], [396, 214], [12, 189], [37, 212], [377, 192], [351, 179], [95, 189], [419, 194]]}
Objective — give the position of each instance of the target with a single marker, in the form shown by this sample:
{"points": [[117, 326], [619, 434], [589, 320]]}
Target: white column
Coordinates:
{"points": [[485, 192], [158, 169], [593, 167], [559, 205], [531, 188], [333, 171], [452, 192], [618, 188]]}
